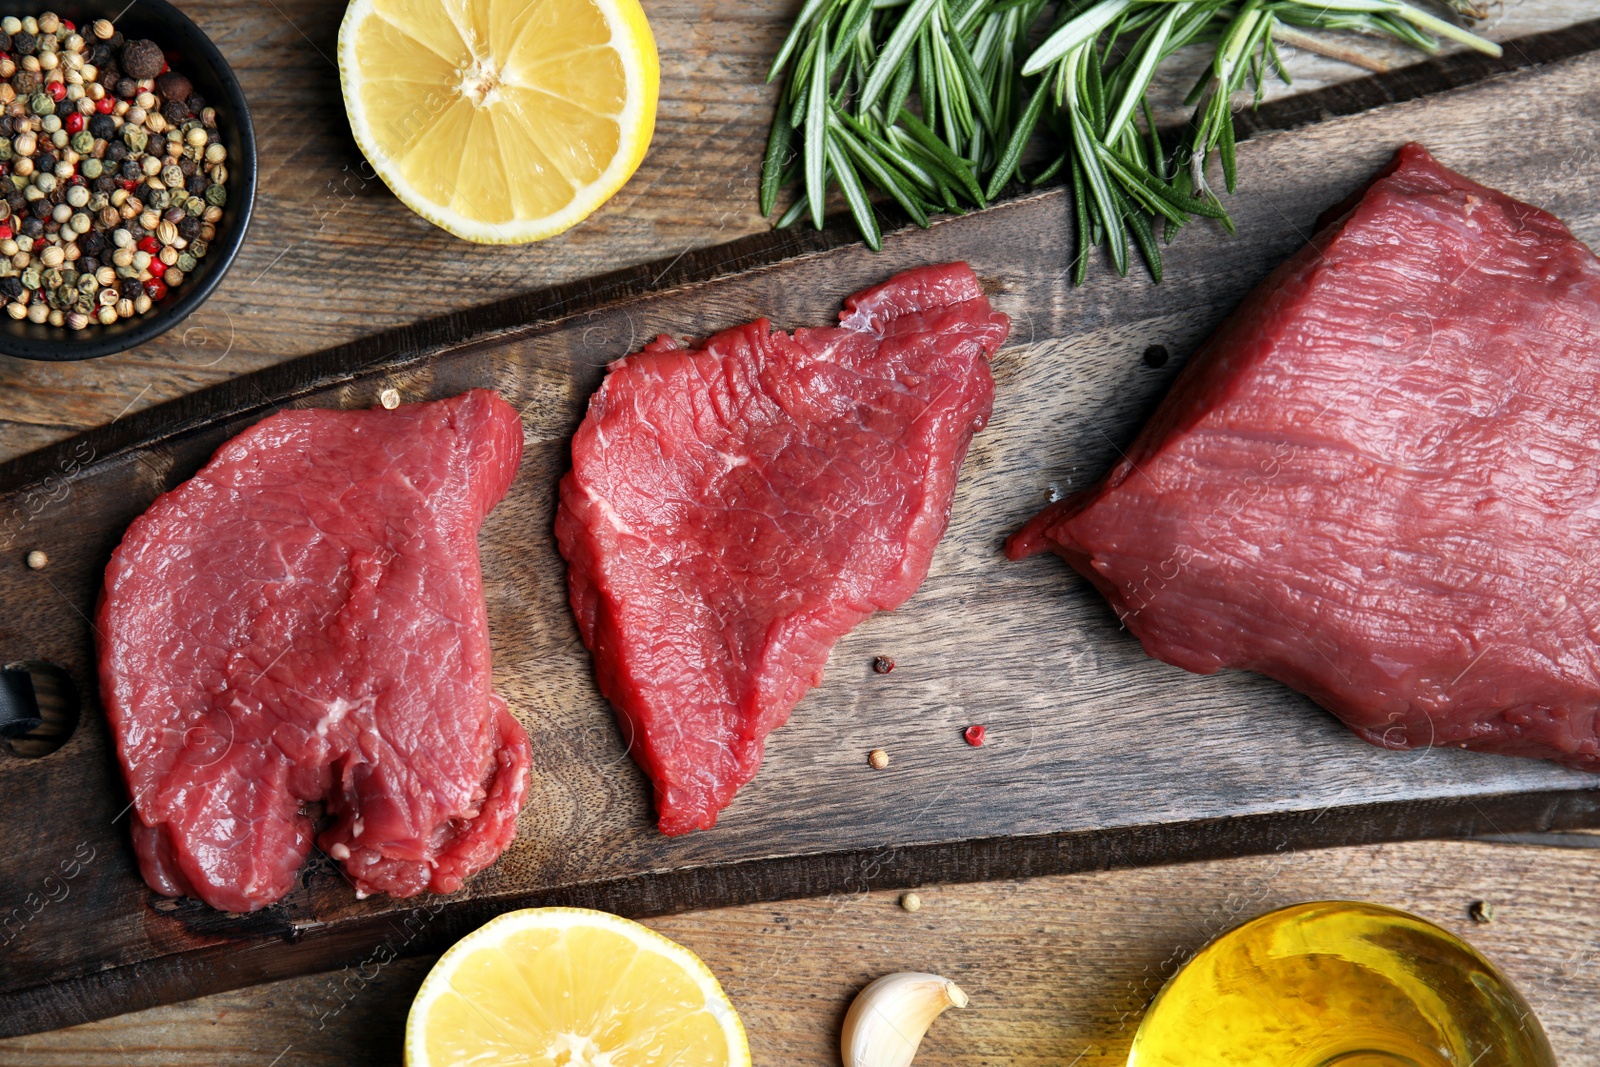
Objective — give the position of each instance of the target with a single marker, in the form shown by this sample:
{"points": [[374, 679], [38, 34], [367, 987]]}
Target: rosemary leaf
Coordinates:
{"points": [[802, 20], [1019, 141], [1077, 31], [778, 145], [855, 196], [884, 178], [817, 130], [1080, 208], [951, 162], [905, 31]]}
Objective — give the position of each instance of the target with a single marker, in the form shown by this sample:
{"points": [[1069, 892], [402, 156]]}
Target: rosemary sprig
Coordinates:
{"points": [[935, 103]]}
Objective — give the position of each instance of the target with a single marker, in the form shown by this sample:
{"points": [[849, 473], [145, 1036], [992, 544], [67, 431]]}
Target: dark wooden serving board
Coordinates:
{"points": [[1097, 755]]}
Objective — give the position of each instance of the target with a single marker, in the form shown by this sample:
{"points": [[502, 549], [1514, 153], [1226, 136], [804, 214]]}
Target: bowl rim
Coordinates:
{"points": [[74, 347]]}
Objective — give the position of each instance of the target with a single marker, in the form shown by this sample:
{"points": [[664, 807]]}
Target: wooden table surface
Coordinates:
{"points": [[1058, 968]]}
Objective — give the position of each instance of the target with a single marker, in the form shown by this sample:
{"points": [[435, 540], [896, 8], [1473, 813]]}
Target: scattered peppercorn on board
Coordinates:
{"points": [[1091, 753]]}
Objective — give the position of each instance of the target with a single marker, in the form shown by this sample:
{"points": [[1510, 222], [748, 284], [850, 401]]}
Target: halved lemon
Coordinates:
{"points": [[568, 987], [503, 121]]}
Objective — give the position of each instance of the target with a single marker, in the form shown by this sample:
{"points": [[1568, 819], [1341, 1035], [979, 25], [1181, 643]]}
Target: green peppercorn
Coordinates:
{"points": [[135, 138], [30, 278], [91, 167], [196, 206], [83, 142], [217, 194], [186, 262], [66, 296], [41, 104], [87, 284], [172, 176], [199, 248], [127, 272], [6, 151]]}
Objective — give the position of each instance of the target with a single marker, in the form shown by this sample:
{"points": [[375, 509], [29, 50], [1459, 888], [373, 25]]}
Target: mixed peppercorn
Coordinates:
{"points": [[112, 169]]}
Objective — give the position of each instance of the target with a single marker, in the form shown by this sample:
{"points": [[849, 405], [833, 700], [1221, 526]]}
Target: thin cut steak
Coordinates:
{"points": [[1379, 482], [304, 621], [733, 510]]}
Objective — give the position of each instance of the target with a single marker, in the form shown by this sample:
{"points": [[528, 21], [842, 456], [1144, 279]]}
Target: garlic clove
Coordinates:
{"points": [[886, 1021]]}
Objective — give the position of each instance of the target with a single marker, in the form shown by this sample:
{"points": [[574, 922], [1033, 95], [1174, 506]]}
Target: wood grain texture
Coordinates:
{"points": [[1059, 969], [333, 256], [1075, 775]]}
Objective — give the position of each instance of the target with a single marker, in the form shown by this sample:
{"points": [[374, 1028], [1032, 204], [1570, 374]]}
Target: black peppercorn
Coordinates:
{"points": [[126, 88], [186, 166], [24, 43], [108, 74], [7, 127], [117, 41], [5, 42], [196, 185], [92, 243], [142, 59], [131, 170], [105, 184], [197, 103], [131, 287], [97, 56], [116, 151], [188, 227], [44, 161], [176, 112], [173, 86], [41, 208], [26, 83], [12, 286], [32, 226], [88, 264], [17, 202], [102, 127]]}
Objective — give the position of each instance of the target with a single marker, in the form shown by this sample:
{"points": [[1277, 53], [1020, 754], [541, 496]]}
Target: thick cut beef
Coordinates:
{"points": [[734, 509], [1379, 482], [304, 621]]}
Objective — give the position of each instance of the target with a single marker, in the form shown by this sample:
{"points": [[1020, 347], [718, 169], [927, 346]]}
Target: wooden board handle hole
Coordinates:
{"points": [[39, 707]]}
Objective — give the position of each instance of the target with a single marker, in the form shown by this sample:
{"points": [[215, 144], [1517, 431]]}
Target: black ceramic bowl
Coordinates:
{"points": [[213, 79]]}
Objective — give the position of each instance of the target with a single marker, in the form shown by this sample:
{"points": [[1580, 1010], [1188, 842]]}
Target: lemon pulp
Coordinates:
{"points": [[502, 121], [566, 987]]}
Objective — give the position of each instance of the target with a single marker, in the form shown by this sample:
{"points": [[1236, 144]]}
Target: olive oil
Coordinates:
{"points": [[1339, 984]]}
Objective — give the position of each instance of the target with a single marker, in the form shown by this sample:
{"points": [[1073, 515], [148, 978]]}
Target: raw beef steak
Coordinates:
{"points": [[734, 509], [1379, 482], [304, 621]]}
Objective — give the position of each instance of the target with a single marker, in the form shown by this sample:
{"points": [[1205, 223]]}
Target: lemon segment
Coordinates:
{"points": [[568, 987], [501, 121]]}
